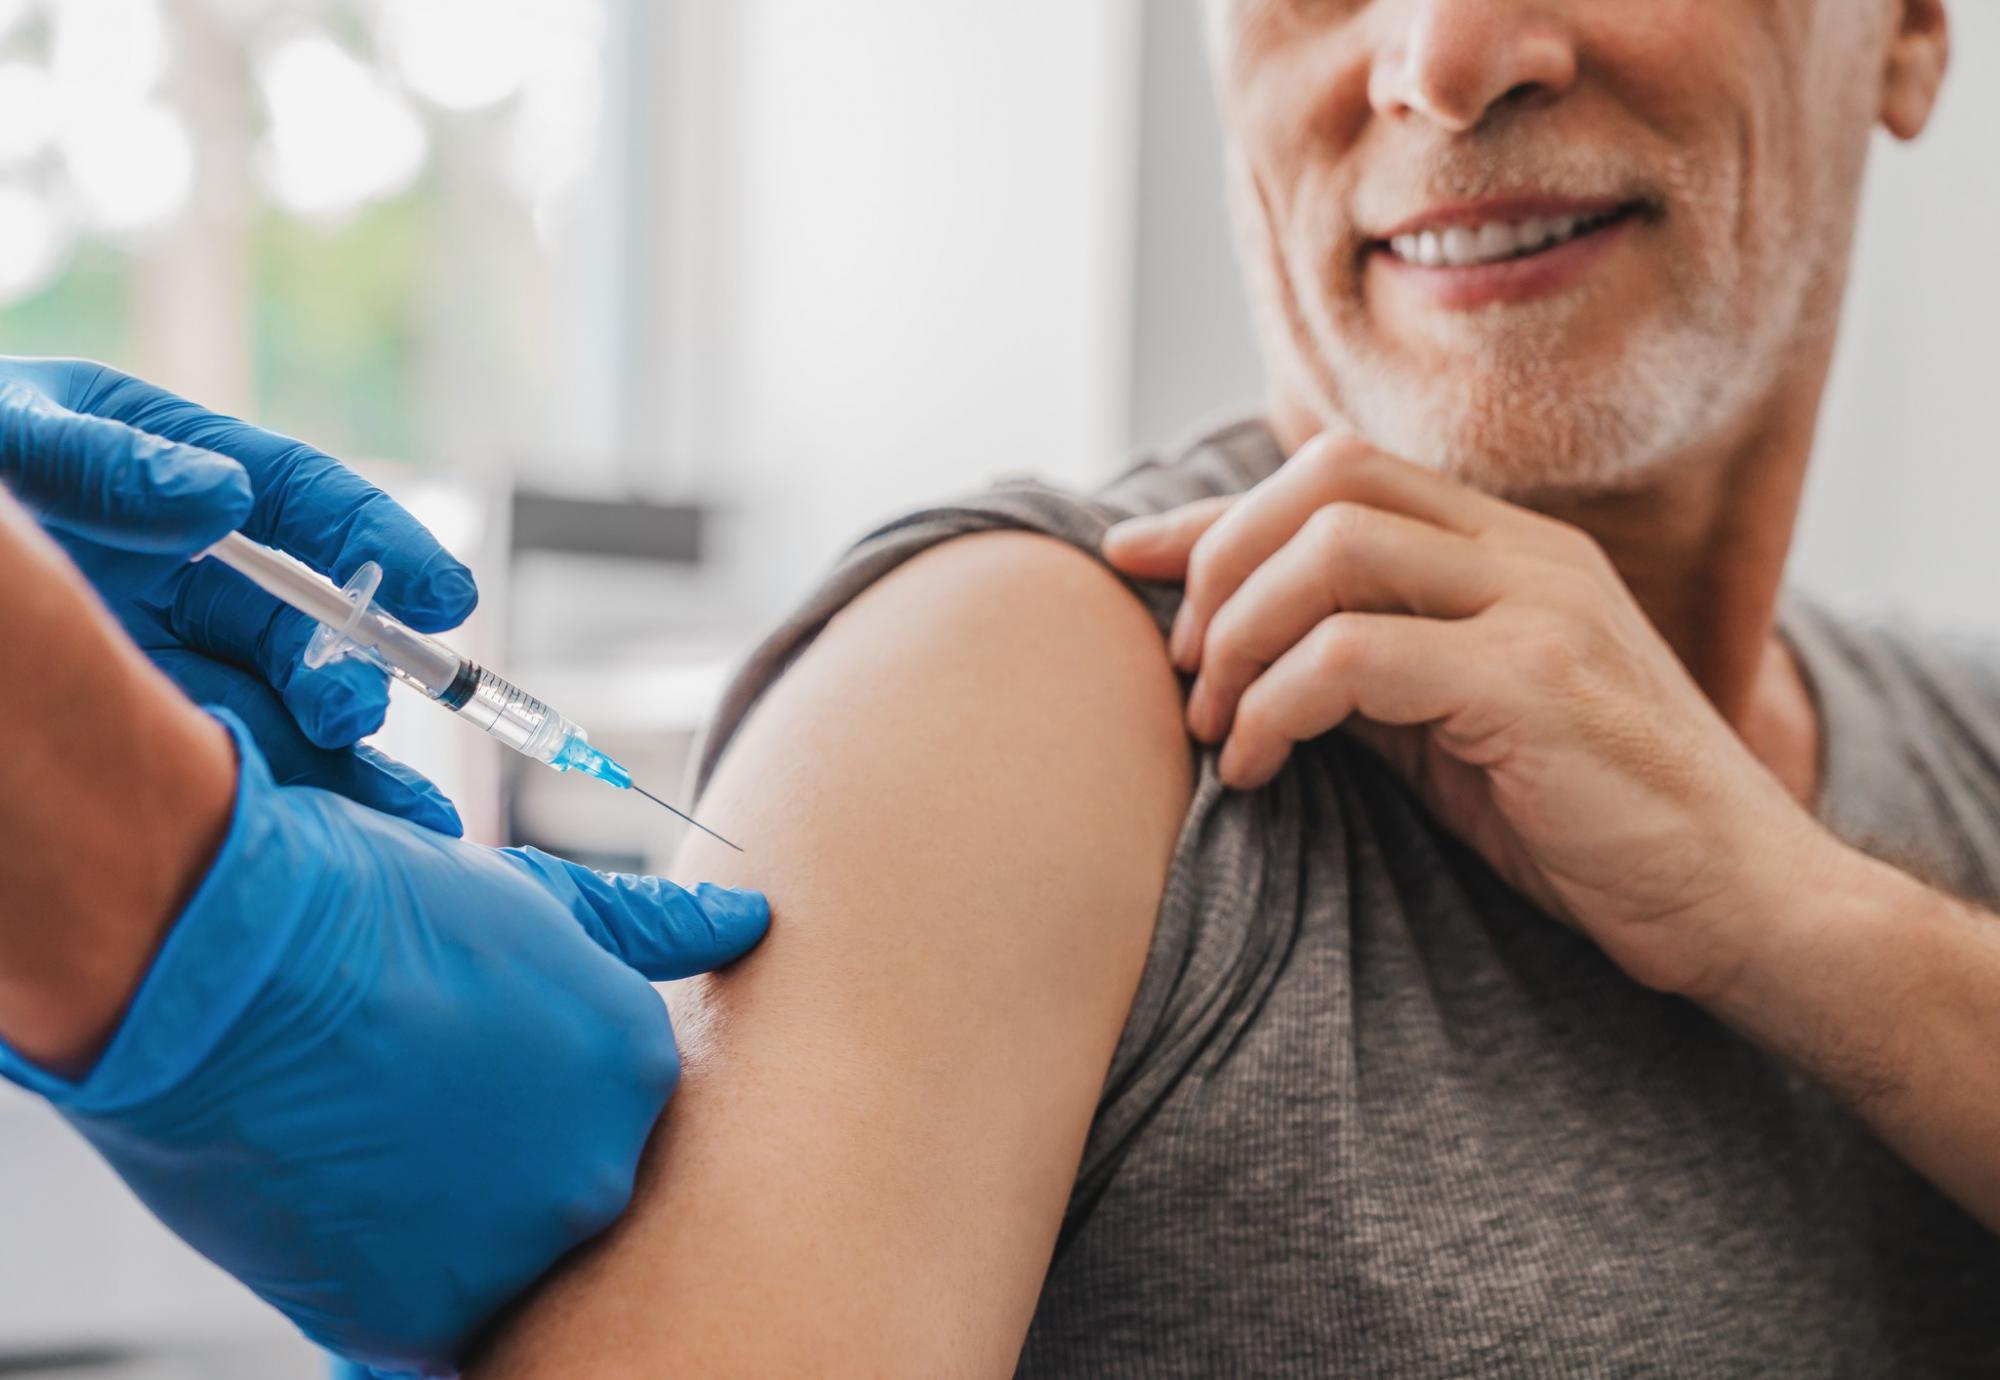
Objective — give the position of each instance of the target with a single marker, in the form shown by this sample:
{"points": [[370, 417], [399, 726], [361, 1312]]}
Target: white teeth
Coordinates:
{"points": [[1461, 246], [1495, 241]]}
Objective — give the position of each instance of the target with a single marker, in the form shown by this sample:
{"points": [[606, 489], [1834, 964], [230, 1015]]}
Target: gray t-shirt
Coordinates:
{"points": [[1373, 1114]]}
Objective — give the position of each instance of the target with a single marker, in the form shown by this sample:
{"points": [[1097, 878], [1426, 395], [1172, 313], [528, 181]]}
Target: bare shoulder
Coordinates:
{"points": [[1011, 623], [962, 800]]}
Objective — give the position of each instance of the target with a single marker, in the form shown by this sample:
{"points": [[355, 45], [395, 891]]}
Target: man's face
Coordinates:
{"points": [[1548, 242]]}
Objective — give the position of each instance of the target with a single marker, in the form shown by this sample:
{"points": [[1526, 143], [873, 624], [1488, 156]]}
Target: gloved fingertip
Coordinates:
{"points": [[456, 590], [199, 497], [394, 788], [171, 499], [740, 915], [441, 598], [338, 706], [662, 930], [435, 812]]}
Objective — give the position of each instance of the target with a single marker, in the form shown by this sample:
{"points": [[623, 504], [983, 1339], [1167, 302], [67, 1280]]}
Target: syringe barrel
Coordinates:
{"points": [[504, 711], [408, 655], [351, 624]]}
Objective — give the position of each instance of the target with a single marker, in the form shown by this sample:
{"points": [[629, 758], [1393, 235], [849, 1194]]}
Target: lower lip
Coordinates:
{"points": [[1509, 280]]}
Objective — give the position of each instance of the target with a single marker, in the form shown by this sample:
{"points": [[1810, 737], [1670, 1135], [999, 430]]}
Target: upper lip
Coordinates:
{"points": [[1505, 209]]}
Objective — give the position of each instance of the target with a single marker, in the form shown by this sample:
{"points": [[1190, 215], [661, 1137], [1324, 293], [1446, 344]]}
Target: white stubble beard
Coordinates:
{"points": [[1503, 417]]}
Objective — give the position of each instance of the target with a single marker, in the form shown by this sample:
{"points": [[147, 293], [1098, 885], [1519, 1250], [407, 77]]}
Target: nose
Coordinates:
{"points": [[1452, 62]]}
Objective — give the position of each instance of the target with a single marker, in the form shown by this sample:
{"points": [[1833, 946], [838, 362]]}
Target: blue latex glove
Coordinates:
{"points": [[133, 480], [386, 1077]]}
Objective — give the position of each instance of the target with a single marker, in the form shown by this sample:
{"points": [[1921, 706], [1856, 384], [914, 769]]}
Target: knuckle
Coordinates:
{"points": [[1337, 533], [1227, 640], [1204, 569], [1575, 544], [1335, 453], [1317, 456], [1552, 649], [598, 1196], [1568, 592], [1335, 524], [659, 1063], [1252, 722], [1339, 643]]}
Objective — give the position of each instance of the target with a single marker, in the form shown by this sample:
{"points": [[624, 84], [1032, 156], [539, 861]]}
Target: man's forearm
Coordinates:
{"points": [[117, 792], [1888, 993]]}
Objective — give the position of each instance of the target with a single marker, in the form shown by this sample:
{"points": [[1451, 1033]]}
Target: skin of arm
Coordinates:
{"points": [[1888, 993], [962, 801], [118, 794]]}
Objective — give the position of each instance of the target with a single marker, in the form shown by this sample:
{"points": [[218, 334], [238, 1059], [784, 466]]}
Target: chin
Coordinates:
{"points": [[1522, 417]]}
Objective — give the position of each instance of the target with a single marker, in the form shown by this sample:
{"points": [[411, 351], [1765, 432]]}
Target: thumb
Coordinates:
{"points": [[652, 925], [114, 484], [1156, 546]]}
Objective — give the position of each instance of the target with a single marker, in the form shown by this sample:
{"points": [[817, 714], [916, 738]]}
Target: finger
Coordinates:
{"points": [[1155, 546], [654, 926], [362, 774], [1347, 556], [307, 503], [216, 610], [1393, 668], [1329, 469], [110, 483]]}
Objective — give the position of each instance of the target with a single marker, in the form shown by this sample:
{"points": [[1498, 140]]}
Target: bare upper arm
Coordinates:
{"points": [[962, 801]]}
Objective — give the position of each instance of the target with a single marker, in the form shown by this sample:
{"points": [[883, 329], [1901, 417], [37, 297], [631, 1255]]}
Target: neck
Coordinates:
{"points": [[1702, 548]]}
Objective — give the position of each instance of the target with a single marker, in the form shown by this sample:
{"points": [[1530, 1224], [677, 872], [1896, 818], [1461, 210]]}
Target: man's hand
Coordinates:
{"points": [[1493, 656], [132, 481]]}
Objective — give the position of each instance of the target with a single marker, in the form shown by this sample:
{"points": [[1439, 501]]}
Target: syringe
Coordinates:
{"points": [[352, 626]]}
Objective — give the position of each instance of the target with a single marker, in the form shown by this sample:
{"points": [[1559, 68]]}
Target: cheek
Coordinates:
{"points": [[1297, 101], [1690, 87]]}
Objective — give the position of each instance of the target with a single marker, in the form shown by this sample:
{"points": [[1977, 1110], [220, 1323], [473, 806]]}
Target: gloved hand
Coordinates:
{"points": [[133, 480], [386, 1077]]}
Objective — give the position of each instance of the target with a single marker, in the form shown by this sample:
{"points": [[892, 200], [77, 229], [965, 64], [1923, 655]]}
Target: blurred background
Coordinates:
{"points": [[650, 307]]}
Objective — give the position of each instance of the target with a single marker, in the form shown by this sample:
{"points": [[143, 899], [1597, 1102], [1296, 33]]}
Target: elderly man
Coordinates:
{"points": [[1559, 1013]]}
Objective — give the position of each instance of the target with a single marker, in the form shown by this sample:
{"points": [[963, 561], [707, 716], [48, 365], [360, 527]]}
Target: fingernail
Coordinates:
{"points": [[1226, 765], [1131, 530], [1180, 641], [1200, 711]]}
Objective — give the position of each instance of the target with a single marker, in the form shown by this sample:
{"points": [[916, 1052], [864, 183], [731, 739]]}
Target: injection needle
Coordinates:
{"points": [[689, 818]]}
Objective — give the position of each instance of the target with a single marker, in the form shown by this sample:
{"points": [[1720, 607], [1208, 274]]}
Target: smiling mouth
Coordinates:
{"points": [[1498, 240]]}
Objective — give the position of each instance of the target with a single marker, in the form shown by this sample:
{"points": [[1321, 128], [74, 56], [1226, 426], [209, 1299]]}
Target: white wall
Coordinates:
{"points": [[913, 229], [1193, 351], [1904, 494]]}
